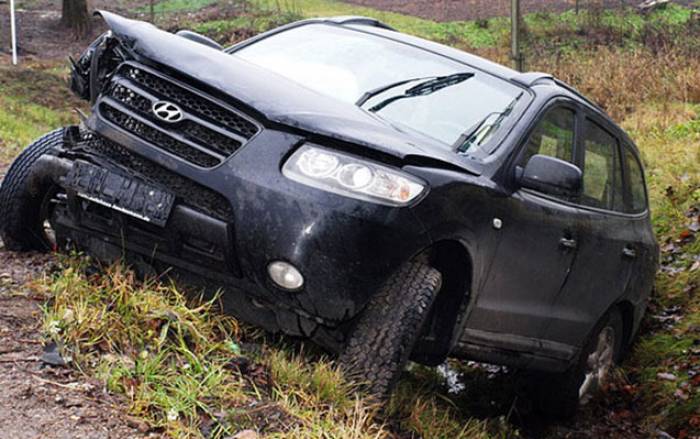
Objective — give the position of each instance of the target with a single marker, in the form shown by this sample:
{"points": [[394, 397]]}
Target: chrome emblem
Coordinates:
{"points": [[167, 111]]}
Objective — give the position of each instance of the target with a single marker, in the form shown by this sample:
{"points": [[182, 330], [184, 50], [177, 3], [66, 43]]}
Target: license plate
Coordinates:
{"points": [[121, 193]]}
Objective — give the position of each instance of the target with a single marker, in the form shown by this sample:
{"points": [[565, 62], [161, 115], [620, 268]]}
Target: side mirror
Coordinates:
{"points": [[552, 176], [199, 38]]}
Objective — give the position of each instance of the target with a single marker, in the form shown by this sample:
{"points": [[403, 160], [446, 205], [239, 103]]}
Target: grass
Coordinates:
{"points": [[33, 101], [668, 137], [493, 32], [171, 6], [187, 370]]}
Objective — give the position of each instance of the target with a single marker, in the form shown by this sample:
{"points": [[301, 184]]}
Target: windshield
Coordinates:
{"points": [[400, 83]]}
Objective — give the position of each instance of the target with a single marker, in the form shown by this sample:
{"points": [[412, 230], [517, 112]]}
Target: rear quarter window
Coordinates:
{"points": [[637, 191]]}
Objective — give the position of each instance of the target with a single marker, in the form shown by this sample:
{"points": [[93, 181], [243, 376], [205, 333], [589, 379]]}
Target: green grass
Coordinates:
{"points": [[32, 101], [22, 122], [172, 6], [467, 31], [494, 31]]}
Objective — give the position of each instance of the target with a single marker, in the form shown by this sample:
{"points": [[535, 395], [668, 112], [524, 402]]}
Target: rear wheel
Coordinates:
{"points": [[561, 394], [380, 344], [27, 202]]}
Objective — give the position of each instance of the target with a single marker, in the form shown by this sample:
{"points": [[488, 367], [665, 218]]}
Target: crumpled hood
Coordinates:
{"points": [[277, 98]]}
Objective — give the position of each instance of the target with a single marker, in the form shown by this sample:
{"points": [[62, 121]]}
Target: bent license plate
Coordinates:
{"points": [[120, 192]]}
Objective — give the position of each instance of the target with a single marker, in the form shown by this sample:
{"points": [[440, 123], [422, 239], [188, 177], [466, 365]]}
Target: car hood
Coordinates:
{"points": [[277, 98]]}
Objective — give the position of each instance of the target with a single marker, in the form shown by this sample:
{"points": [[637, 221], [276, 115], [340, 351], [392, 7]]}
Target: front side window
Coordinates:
{"points": [[408, 87], [553, 136], [602, 173], [638, 197]]}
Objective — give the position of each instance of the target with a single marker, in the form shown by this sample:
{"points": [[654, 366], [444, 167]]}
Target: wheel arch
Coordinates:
{"points": [[626, 309], [453, 260]]}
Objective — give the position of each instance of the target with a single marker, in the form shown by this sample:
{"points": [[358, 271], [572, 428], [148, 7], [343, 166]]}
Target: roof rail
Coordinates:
{"points": [[356, 19], [573, 90], [528, 79]]}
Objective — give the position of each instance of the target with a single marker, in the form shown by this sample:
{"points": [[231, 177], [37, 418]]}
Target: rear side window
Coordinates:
{"points": [[553, 136], [638, 197], [602, 172]]}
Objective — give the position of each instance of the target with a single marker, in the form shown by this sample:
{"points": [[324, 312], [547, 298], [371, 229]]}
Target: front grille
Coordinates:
{"points": [[218, 142], [188, 192], [208, 133], [158, 138], [190, 101]]}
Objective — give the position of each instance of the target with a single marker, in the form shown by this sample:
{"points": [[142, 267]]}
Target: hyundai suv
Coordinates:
{"points": [[387, 197]]}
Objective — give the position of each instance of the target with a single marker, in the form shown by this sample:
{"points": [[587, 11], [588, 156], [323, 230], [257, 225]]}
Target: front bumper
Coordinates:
{"points": [[231, 221]]}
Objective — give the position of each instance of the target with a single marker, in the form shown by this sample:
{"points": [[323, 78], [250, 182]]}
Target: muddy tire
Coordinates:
{"points": [[380, 344], [23, 199], [560, 395]]}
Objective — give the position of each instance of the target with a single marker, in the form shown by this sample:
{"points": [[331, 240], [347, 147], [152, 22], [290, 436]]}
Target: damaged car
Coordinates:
{"points": [[387, 197]]}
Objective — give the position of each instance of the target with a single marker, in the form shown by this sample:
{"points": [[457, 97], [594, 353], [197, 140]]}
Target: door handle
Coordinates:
{"points": [[567, 242], [629, 252]]}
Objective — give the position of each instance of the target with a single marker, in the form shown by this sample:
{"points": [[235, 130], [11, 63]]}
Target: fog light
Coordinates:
{"points": [[285, 275]]}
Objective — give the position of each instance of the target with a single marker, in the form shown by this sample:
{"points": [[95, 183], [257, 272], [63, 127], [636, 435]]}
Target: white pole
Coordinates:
{"points": [[13, 30]]}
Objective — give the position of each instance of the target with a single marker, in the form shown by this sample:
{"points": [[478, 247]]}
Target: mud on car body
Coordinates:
{"points": [[388, 197]]}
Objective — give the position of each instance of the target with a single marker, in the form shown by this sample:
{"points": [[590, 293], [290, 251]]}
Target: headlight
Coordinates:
{"points": [[352, 177]]}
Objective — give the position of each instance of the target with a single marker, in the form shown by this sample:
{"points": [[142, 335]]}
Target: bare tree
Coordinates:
{"points": [[74, 15]]}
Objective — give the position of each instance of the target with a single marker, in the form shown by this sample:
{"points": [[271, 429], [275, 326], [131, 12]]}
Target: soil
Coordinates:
{"points": [[456, 10], [38, 400]]}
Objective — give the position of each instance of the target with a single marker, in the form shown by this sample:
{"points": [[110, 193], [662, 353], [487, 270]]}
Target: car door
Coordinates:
{"points": [[607, 240], [645, 250], [536, 247]]}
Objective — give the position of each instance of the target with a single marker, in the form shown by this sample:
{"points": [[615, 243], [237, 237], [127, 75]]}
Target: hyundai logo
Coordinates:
{"points": [[167, 111]]}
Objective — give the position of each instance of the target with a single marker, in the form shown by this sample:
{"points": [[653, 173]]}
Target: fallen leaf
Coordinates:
{"points": [[695, 421], [52, 355], [666, 376], [681, 395], [669, 191], [245, 434], [138, 424]]}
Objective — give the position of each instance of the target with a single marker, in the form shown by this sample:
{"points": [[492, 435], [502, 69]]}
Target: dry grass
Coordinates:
{"points": [[623, 80], [620, 80]]}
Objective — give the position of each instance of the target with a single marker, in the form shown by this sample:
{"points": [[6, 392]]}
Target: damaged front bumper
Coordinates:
{"points": [[222, 227], [215, 164]]}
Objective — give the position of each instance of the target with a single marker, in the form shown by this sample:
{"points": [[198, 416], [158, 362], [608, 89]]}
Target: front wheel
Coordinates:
{"points": [[380, 344], [561, 395], [27, 200]]}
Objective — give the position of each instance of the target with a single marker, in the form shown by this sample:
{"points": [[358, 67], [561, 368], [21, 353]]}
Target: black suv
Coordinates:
{"points": [[385, 196]]}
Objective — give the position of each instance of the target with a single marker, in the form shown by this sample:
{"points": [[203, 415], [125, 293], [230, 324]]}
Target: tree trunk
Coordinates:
{"points": [[75, 16]]}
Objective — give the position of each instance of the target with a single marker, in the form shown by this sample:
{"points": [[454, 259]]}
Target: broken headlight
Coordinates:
{"points": [[98, 61], [351, 176]]}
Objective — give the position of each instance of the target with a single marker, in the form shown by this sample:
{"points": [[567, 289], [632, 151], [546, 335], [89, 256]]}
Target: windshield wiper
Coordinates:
{"points": [[430, 85], [465, 141]]}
